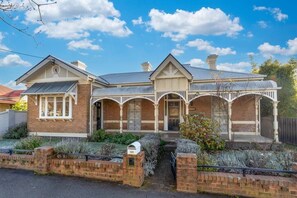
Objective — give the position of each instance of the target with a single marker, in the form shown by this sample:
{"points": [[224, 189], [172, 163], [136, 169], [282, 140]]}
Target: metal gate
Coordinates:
{"points": [[173, 164]]}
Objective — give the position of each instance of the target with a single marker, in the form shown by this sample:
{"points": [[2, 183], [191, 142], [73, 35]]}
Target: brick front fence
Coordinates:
{"points": [[42, 161], [190, 180]]}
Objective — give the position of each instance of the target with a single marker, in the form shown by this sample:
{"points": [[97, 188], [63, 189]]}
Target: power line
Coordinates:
{"points": [[25, 54]]}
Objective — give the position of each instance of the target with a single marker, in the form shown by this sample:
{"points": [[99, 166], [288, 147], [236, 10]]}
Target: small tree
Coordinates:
{"points": [[285, 76], [202, 130], [20, 106]]}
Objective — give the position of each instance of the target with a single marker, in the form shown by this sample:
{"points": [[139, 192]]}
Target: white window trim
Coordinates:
{"points": [[55, 107]]}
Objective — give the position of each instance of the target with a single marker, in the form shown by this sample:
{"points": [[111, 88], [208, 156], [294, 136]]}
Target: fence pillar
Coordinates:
{"points": [[133, 172], [186, 172], [275, 122], [42, 156]]}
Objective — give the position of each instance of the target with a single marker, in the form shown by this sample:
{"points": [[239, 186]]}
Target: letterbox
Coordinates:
{"points": [[134, 148]]}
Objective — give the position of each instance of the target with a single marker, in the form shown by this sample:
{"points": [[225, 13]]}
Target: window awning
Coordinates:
{"points": [[51, 88]]}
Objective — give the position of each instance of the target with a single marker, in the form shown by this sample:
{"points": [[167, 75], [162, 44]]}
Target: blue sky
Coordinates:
{"points": [[118, 35]]}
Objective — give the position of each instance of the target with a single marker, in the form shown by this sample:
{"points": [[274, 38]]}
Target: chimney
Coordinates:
{"points": [[146, 66], [211, 61], [79, 64]]}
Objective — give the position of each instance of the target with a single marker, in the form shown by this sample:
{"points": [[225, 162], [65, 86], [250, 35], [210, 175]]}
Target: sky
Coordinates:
{"points": [[118, 35]]}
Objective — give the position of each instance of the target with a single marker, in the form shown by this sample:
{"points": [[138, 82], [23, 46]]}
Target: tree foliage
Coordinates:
{"points": [[285, 76], [20, 106]]}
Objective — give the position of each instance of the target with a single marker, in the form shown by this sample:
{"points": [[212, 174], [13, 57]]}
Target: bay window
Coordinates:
{"points": [[55, 107]]}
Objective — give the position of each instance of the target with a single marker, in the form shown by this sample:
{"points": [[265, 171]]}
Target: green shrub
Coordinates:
{"points": [[29, 143], [123, 138], [99, 136], [107, 149], [71, 147], [202, 130], [117, 138], [150, 143], [17, 132]]}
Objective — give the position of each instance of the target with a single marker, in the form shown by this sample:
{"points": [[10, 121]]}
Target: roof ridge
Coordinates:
{"points": [[125, 73]]}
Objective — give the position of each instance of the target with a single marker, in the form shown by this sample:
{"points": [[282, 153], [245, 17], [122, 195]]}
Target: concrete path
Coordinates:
{"points": [[24, 184]]}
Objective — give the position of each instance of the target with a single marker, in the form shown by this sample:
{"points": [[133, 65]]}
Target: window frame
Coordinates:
{"points": [[65, 98]]}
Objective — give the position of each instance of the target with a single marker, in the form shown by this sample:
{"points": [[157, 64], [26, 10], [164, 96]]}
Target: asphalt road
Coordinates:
{"points": [[24, 184]]}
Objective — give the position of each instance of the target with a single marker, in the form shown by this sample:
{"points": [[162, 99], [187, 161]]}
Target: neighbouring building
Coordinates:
{"points": [[66, 100], [8, 97]]}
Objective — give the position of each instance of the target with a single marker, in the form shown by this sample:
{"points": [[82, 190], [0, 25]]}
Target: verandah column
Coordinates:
{"points": [[121, 118], [156, 110], [229, 120], [275, 122], [187, 108]]}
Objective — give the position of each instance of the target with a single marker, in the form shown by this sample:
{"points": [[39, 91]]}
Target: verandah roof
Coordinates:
{"points": [[234, 86], [119, 91], [50, 88]]}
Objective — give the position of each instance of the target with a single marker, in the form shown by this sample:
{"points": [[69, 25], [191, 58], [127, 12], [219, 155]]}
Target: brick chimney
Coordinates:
{"points": [[211, 61], [146, 66], [79, 64]]}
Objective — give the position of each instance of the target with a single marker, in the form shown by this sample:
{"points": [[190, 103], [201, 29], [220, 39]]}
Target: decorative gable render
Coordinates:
{"points": [[66, 100]]}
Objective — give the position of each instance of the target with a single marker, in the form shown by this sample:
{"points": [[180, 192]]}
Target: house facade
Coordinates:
{"points": [[66, 100], [8, 97]]}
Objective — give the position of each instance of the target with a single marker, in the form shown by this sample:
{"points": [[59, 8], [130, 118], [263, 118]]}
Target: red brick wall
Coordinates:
{"points": [[161, 114], [43, 162], [17, 161], [243, 109], [80, 115], [201, 105], [103, 170], [111, 111], [249, 186]]}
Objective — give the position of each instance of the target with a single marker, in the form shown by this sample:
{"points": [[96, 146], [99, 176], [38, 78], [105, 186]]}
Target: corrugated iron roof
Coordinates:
{"points": [[123, 91], [234, 86], [197, 72], [50, 88]]}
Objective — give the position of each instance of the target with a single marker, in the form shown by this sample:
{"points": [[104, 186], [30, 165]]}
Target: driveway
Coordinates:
{"points": [[24, 184]]}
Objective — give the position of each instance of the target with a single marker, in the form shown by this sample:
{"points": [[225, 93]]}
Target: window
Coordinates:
{"points": [[55, 107]]}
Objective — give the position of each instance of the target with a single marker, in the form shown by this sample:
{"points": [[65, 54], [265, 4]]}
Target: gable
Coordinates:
{"points": [[49, 73], [52, 69], [171, 68]]}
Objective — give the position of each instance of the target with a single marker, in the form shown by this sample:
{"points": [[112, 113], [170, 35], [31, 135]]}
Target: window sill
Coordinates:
{"points": [[54, 119]]}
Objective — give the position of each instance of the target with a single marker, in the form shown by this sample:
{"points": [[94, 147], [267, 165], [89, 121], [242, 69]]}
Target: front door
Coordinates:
{"points": [[134, 115], [173, 115]]}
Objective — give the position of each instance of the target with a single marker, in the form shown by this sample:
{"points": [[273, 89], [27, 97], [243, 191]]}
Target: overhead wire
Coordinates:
{"points": [[21, 53]]}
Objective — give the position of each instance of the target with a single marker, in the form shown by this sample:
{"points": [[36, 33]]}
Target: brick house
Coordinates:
{"points": [[66, 100]]}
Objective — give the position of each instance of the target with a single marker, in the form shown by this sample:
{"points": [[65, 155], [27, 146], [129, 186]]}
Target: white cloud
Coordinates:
{"points": [[206, 46], [237, 67], [129, 46], [262, 24], [250, 35], [12, 84], [269, 50], [206, 21], [79, 28], [13, 60], [276, 12], [75, 19], [83, 44], [250, 54], [137, 21], [196, 62], [1, 44], [178, 50]]}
